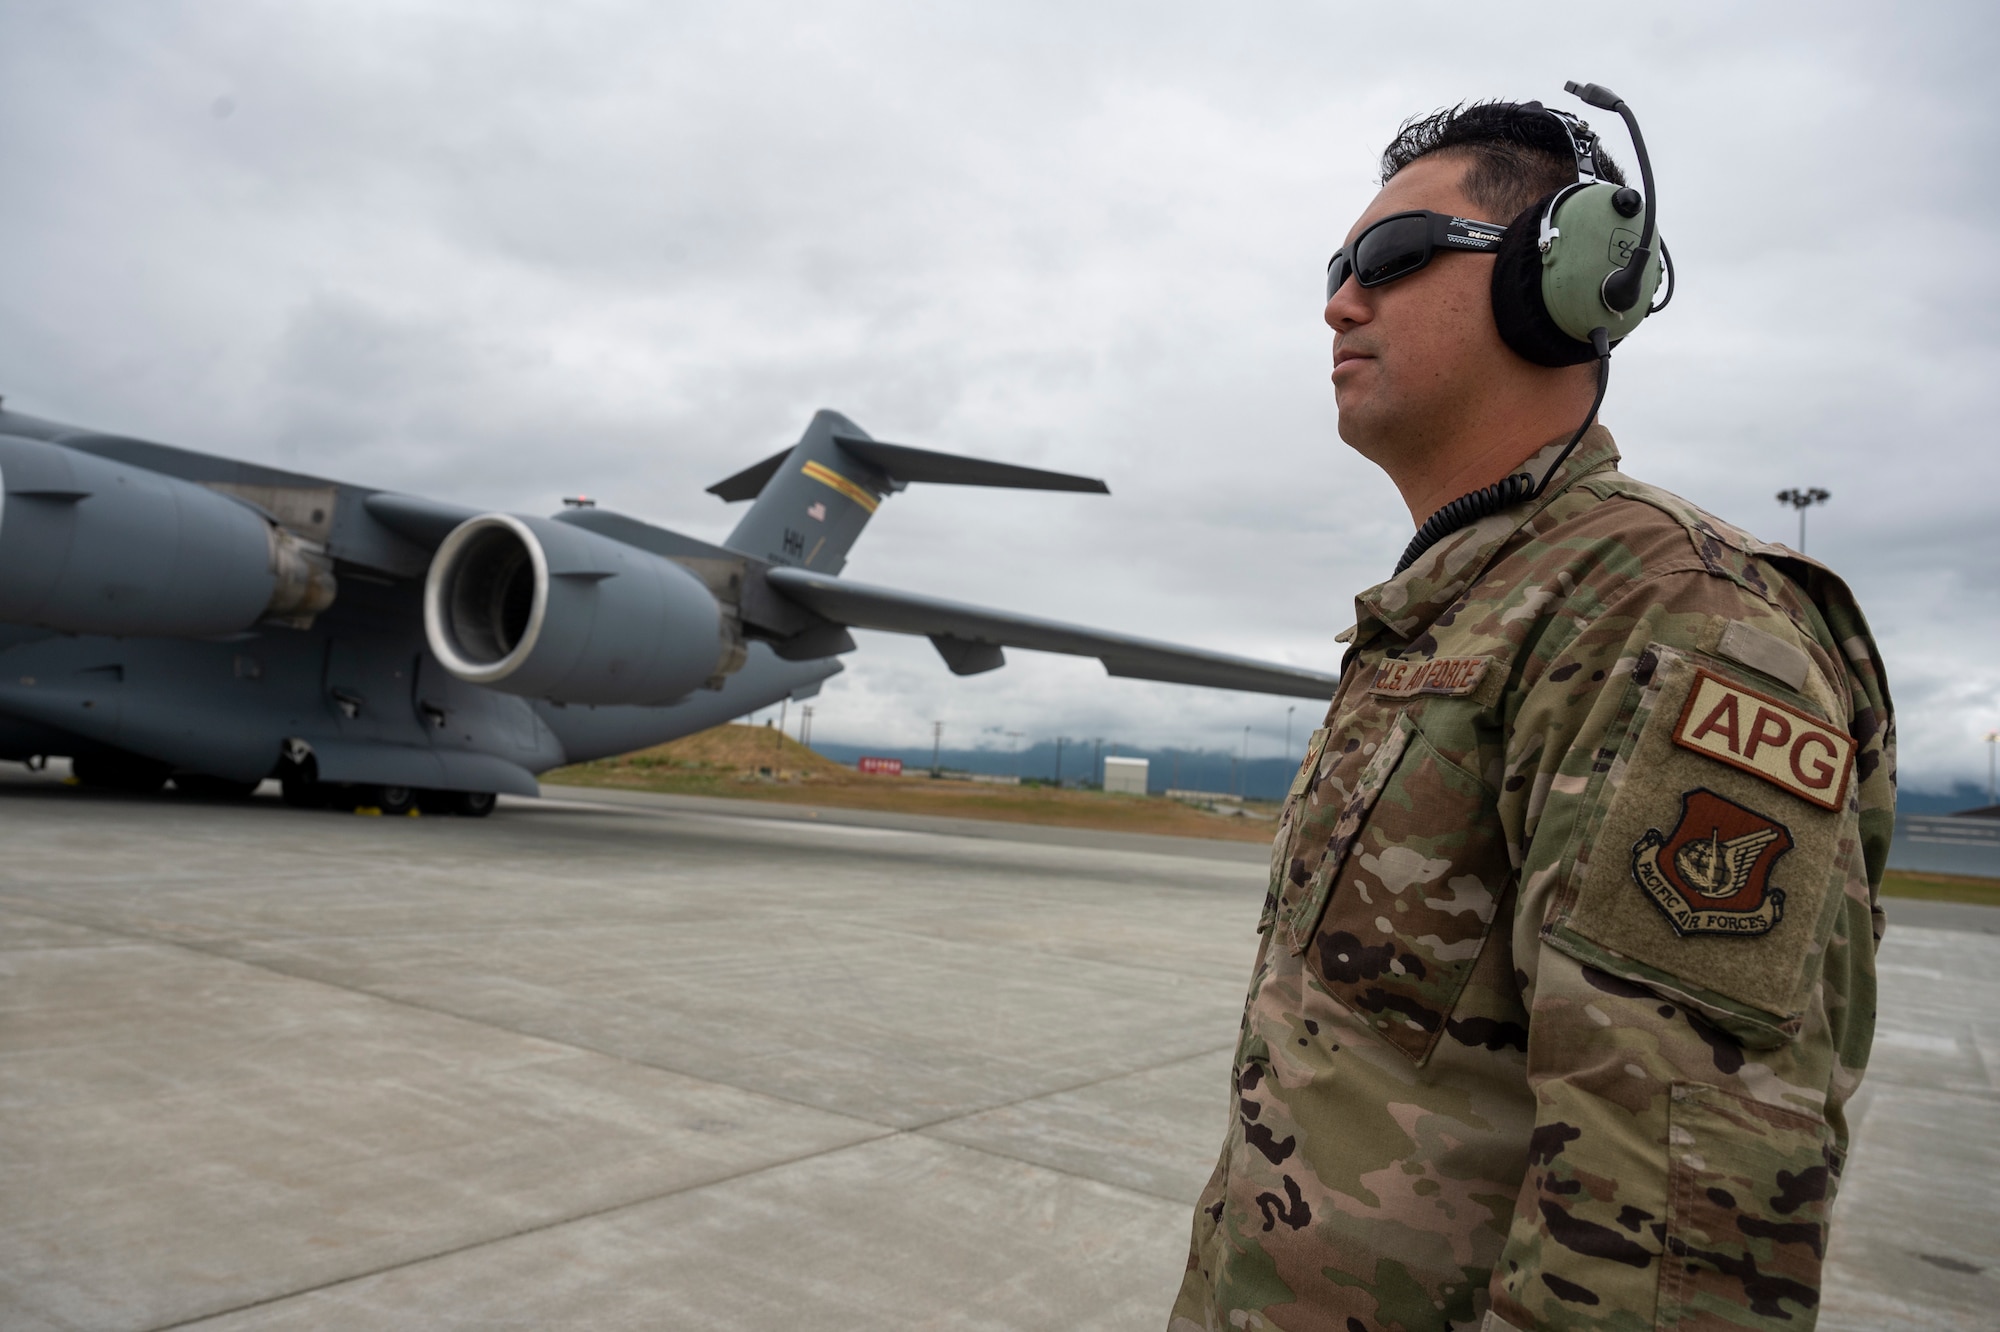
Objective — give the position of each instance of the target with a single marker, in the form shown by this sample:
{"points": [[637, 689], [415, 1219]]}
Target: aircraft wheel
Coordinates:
{"points": [[204, 787], [391, 800], [476, 804], [120, 772]]}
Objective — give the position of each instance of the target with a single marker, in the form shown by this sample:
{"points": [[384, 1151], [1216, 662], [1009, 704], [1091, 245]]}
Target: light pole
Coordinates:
{"points": [[937, 737], [1992, 739], [1243, 782], [1288, 731], [806, 725], [1803, 500]]}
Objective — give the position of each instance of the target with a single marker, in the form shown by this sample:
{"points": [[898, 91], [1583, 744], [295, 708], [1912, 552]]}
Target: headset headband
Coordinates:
{"points": [[1581, 138]]}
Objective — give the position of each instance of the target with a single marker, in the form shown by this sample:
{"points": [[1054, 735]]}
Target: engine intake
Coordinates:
{"points": [[547, 610]]}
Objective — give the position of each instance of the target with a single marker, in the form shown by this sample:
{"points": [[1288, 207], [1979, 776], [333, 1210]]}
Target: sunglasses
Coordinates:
{"points": [[1401, 243]]}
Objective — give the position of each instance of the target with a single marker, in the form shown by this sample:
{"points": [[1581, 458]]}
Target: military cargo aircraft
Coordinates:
{"points": [[167, 614]]}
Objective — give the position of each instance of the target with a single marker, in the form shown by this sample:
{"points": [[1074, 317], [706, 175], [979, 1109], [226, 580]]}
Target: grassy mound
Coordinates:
{"points": [[760, 763]]}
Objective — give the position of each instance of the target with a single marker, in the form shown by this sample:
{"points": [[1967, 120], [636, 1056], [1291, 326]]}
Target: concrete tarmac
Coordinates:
{"points": [[611, 1061]]}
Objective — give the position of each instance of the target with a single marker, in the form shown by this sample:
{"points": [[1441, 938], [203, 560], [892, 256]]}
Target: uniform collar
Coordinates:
{"points": [[1414, 598]]}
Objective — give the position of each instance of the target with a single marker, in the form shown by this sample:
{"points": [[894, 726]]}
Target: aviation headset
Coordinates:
{"points": [[1571, 279]]}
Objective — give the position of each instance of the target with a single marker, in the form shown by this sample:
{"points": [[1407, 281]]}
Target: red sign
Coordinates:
{"points": [[888, 766]]}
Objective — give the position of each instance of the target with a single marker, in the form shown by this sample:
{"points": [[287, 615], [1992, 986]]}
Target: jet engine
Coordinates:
{"points": [[91, 546], [543, 609]]}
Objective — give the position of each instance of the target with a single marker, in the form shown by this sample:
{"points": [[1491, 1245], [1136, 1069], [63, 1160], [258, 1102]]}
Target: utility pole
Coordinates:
{"points": [[937, 738], [1059, 745], [1096, 761], [1992, 739], [1243, 788], [1014, 750], [1288, 731], [1803, 500], [778, 740], [806, 725]]}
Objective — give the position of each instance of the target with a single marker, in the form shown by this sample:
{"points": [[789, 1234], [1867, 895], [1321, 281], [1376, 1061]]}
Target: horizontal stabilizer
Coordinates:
{"points": [[958, 630], [900, 465], [750, 482], [904, 464]]}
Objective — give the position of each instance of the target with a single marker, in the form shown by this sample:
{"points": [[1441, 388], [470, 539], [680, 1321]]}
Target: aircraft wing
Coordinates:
{"points": [[970, 638]]}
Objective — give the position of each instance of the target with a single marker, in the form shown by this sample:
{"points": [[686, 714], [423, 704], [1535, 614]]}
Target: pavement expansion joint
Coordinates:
{"points": [[540, 1227]]}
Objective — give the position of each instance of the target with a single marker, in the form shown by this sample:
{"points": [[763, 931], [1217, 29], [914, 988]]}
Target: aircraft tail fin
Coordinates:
{"points": [[813, 499]]}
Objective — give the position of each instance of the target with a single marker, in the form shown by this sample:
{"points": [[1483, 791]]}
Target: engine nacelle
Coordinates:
{"points": [[546, 610], [93, 546]]}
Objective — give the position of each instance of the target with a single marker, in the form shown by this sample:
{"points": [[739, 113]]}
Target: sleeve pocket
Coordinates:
{"points": [[1707, 879], [1749, 1188]]}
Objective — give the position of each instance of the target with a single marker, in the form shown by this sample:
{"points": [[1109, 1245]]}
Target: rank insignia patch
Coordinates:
{"points": [[1767, 739], [1712, 873]]}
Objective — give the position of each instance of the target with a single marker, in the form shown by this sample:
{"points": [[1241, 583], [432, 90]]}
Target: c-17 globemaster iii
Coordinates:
{"points": [[166, 613]]}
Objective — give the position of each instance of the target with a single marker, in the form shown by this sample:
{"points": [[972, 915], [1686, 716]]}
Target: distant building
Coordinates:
{"points": [[1127, 775]]}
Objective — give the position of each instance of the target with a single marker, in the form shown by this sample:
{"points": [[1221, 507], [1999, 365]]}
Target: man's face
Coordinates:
{"points": [[1412, 358]]}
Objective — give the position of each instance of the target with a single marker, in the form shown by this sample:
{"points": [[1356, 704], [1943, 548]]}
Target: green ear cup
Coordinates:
{"points": [[1593, 241]]}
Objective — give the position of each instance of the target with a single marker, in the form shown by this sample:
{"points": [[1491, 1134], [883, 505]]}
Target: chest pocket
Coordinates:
{"points": [[1394, 916]]}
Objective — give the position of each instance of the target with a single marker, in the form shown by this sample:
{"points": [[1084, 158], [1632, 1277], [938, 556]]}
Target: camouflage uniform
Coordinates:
{"points": [[1657, 754]]}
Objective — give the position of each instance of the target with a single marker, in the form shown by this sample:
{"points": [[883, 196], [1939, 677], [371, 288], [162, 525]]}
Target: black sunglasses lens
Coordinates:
{"points": [[1392, 249], [1337, 273]]}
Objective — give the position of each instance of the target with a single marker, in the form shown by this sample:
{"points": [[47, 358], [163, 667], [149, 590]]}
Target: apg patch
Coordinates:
{"points": [[1712, 873], [1767, 739]]}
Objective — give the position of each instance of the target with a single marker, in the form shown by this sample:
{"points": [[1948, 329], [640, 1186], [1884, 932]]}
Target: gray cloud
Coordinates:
{"points": [[506, 252]]}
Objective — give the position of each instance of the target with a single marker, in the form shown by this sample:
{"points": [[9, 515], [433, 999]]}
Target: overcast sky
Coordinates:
{"points": [[504, 252]]}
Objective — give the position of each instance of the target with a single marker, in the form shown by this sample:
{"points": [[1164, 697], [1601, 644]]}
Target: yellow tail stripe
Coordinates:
{"points": [[827, 476]]}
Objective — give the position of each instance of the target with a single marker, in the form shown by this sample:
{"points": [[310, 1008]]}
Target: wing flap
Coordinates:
{"points": [[862, 606]]}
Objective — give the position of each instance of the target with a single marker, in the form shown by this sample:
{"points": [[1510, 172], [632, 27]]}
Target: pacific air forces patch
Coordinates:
{"points": [[1712, 873]]}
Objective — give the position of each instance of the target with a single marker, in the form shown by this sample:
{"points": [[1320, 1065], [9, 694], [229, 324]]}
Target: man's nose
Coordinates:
{"points": [[1347, 307]]}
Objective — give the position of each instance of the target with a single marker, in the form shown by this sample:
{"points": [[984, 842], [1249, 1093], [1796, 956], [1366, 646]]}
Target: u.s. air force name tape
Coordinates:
{"points": [[1437, 675]]}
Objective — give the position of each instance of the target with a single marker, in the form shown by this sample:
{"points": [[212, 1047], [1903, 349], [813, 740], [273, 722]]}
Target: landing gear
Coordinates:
{"points": [[299, 778], [393, 800], [113, 771], [475, 804], [465, 804], [304, 793], [203, 787]]}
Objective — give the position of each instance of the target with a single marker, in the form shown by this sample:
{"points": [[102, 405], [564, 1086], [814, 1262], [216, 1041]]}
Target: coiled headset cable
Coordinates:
{"points": [[1508, 490]]}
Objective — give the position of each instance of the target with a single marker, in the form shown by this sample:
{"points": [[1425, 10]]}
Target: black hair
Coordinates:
{"points": [[1516, 150]]}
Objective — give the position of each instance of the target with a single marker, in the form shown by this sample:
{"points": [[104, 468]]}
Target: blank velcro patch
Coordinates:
{"points": [[1438, 675], [1769, 739]]}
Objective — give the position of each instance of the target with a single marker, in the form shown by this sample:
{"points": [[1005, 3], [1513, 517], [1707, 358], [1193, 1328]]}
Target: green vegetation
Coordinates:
{"points": [[1941, 887]]}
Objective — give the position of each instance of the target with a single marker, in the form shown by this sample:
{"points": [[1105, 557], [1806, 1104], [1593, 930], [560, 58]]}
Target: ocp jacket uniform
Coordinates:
{"points": [[1567, 963]]}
